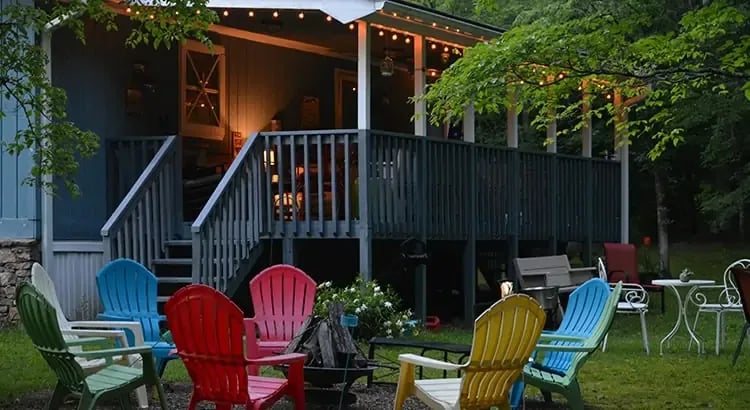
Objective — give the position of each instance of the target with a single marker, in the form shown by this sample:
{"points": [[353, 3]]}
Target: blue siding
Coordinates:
{"points": [[19, 211], [95, 77]]}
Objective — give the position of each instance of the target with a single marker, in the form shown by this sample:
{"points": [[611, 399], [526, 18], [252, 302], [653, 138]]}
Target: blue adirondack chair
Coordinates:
{"points": [[128, 292], [585, 307]]}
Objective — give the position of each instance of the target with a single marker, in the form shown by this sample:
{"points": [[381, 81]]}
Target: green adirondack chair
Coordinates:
{"points": [[113, 381], [566, 382]]}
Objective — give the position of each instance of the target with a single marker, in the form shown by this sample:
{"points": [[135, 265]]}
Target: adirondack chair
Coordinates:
{"points": [[622, 265], [127, 291], [569, 347], [208, 329], [504, 338], [72, 331], [283, 297], [110, 381], [742, 282], [585, 307]]}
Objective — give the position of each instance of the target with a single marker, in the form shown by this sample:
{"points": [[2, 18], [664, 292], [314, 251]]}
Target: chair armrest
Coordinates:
{"points": [[115, 352], [562, 338], [109, 334], [275, 360], [86, 341], [584, 269], [428, 362], [133, 326], [561, 348], [251, 349]]}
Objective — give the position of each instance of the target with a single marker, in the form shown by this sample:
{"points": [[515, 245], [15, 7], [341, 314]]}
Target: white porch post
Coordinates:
{"points": [[623, 153], [364, 42], [469, 124], [47, 198], [512, 120], [586, 129], [420, 81]]}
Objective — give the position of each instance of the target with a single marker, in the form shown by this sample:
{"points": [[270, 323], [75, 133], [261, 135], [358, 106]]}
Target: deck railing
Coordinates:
{"points": [[149, 214], [333, 184]]}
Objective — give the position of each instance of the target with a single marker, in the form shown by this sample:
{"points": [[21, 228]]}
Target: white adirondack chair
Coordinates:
{"points": [[106, 329], [728, 301], [505, 336], [634, 302]]}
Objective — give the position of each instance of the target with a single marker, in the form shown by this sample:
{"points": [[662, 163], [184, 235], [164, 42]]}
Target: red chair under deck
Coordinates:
{"points": [[283, 297], [622, 265], [208, 331]]}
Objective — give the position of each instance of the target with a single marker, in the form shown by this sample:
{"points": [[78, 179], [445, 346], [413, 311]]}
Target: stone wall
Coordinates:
{"points": [[16, 258]]}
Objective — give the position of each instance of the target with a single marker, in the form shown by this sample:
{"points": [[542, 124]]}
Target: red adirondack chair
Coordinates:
{"points": [[208, 329], [622, 265], [283, 297]]}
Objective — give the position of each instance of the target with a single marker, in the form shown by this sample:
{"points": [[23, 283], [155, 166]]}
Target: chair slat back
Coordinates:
{"points": [[207, 330], [586, 306], [732, 295], [504, 338], [39, 320], [622, 262], [283, 297], [127, 289], [46, 286]]}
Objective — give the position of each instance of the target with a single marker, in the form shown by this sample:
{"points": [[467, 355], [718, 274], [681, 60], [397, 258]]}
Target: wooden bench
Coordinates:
{"points": [[551, 271]]}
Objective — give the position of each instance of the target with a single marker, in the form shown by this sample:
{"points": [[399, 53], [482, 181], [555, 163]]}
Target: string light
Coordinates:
{"points": [[329, 19], [128, 10], [251, 13], [226, 13], [197, 12], [394, 37], [433, 46], [381, 33], [407, 40], [301, 15], [275, 14], [351, 26], [151, 16]]}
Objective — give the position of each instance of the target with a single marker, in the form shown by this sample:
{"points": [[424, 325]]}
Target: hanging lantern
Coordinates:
{"points": [[387, 66]]}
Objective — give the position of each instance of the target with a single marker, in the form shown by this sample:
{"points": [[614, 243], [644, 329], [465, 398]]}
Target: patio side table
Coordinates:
{"points": [[674, 284]]}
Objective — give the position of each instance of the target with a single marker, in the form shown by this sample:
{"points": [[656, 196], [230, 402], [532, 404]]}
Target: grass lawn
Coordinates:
{"points": [[621, 377]]}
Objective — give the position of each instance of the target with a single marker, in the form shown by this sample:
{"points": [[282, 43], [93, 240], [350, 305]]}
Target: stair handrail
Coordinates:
{"points": [[217, 270], [154, 198]]}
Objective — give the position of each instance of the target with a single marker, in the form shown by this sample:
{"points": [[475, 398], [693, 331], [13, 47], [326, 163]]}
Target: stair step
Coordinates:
{"points": [[173, 261], [179, 242], [185, 280]]}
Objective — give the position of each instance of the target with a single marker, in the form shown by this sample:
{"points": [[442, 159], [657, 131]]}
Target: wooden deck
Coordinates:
{"points": [[366, 185]]}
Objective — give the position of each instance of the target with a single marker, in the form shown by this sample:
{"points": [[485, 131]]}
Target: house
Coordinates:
{"points": [[294, 131]]}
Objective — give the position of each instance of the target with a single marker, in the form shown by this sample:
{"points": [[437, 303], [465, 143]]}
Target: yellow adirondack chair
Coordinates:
{"points": [[504, 337]]}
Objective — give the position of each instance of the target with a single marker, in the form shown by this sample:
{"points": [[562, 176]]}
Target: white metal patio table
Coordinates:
{"points": [[674, 284]]}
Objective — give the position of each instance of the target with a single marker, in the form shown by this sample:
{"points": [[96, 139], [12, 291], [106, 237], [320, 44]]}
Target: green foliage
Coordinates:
{"points": [[379, 310], [56, 143], [628, 47]]}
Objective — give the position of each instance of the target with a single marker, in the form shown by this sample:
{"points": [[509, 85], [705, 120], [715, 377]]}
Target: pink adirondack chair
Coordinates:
{"points": [[207, 329], [283, 297]]}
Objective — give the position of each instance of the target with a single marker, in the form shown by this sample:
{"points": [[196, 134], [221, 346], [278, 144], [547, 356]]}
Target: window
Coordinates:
{"points": [[202, 91]]}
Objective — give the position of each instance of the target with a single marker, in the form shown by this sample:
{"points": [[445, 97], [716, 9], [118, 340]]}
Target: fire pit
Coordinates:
{"points": [[332, 357]]}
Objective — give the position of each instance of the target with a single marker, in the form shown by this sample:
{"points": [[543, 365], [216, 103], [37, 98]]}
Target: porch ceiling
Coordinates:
{"points": [[397, 14]]}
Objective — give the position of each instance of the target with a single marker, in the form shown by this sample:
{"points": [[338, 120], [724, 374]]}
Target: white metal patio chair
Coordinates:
{"points": [[106, 329], [634, 301], [728, 301]]}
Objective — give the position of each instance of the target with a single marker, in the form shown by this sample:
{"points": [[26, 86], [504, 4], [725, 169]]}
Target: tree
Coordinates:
{"points": [[55, 142], [674, 52]]}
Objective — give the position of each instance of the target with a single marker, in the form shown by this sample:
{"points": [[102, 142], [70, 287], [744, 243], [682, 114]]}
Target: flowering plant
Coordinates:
{"points": [[378, 308]]}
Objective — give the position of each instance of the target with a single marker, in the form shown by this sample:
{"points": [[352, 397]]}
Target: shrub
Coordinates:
{"points": [[378, 309]]}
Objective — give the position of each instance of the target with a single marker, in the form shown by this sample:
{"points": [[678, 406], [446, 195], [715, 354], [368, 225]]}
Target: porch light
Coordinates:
{"points": [[387, 66]]}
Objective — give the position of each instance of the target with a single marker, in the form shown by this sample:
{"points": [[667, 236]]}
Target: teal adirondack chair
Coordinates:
{"points": [[127, 291], [590, 314], [39, 320]]}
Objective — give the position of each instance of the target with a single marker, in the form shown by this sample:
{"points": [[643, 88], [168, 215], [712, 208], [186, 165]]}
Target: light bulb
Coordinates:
{"points": [[394, 37], [408, 40], [251, 13], [433, 46], [275, 14], [128, 10], [329, 19], [301, 15], [446, 49], [351, 26], [381, 33], [226, 13]]}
